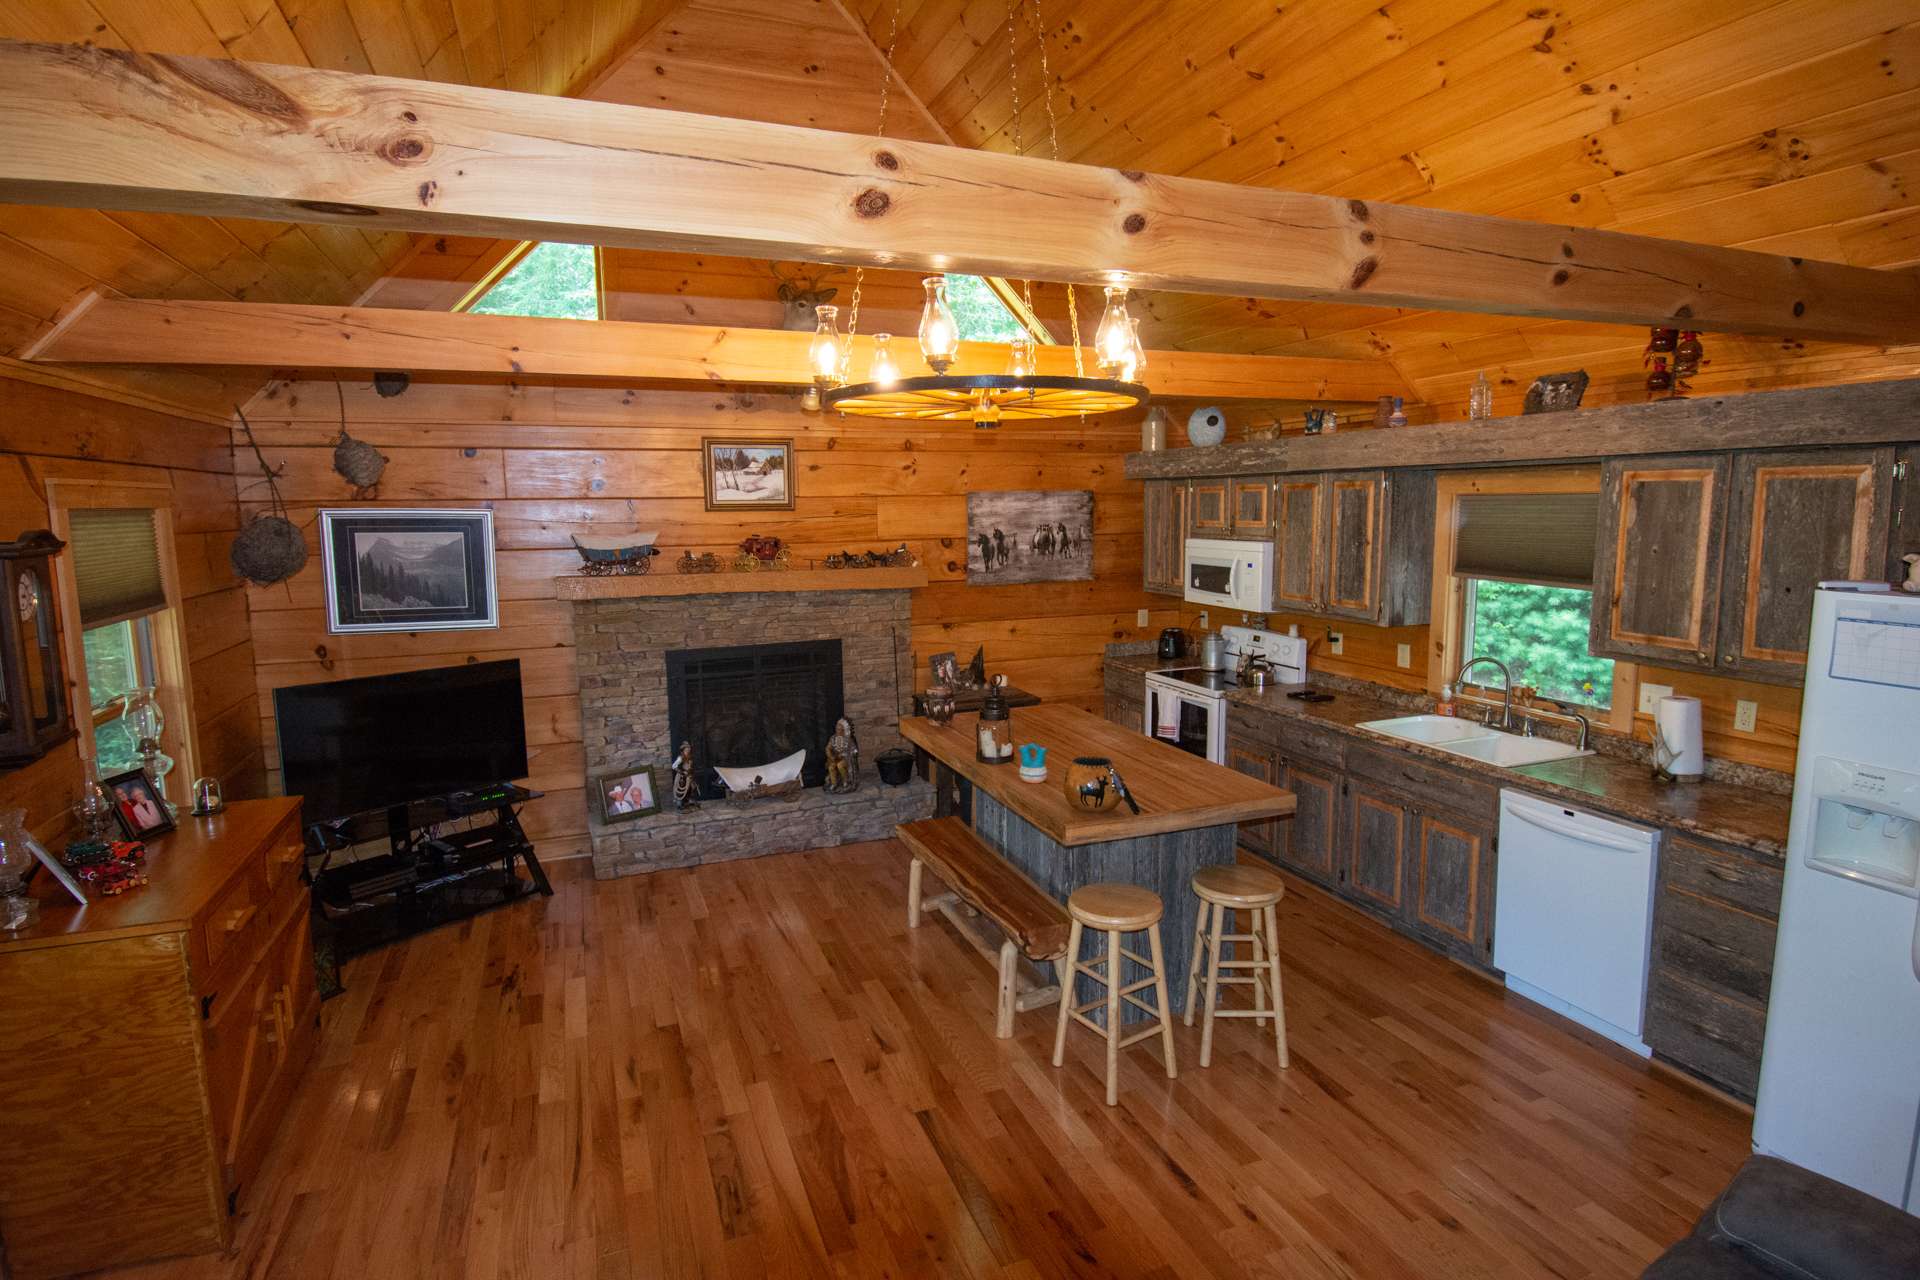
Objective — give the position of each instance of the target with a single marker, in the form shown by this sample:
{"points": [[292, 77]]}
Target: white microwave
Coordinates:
{"points": [[1236, 575]]}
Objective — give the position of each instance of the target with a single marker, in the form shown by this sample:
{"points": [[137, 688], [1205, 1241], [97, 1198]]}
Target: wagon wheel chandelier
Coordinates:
{"points": [[1020, 392]]}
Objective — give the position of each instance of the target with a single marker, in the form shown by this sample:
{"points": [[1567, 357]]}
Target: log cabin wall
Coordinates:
{"points": [[48, 433], [553, 461]]}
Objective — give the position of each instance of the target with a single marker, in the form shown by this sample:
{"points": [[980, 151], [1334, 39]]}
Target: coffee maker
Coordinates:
{"points": [[1173, 644]]}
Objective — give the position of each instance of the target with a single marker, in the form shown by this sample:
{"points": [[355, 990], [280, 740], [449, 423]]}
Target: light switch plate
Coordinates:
{"points": [[1650, 695], [1335, 642], [1404, 655], [1140, 618], [1746, 715]]}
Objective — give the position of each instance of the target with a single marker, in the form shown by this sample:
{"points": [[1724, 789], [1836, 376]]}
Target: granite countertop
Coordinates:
{"points": [[1737, 815]]}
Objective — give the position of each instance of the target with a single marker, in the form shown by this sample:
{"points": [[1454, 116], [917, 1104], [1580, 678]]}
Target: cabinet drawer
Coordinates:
{"points": [[1713, 945], [1290, 735], [1429, 785], [1726, 875], [1706, 1032]]}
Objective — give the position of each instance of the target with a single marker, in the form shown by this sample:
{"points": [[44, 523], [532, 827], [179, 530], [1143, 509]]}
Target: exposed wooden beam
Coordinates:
{"points": [[102, 127], [1861, 413], [290, 336]]}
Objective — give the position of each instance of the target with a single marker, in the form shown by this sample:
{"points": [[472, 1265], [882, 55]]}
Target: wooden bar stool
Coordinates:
{"points": [[1223, 891], [1114, 909]]}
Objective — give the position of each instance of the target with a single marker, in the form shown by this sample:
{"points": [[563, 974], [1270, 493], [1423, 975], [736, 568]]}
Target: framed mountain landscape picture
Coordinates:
{"points": [[408, 570]]}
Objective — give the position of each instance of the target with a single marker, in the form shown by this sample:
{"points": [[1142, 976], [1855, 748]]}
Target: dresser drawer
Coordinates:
{"points": [[1726, 875], [230, 924], [285, 854], [1714, 946]]}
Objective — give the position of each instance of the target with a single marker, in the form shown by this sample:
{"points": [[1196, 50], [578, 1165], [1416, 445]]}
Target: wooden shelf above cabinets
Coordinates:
{"points": [[1867, 413]]}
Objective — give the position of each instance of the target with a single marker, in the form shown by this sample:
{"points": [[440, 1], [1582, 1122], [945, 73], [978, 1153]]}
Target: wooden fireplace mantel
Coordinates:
{"points": [[580, 586]]}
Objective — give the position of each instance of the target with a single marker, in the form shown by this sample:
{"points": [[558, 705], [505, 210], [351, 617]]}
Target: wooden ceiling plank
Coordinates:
{"points": [[161, 26], [57, 22], [255, 30], [268, 335], [669, 180], [327, 33]]}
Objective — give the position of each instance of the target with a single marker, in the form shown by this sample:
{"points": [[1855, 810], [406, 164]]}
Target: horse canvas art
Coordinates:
{"points": [[1029, 535]]}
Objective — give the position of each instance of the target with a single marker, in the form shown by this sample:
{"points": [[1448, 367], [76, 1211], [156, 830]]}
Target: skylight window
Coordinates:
{"points": [[551, 279], [978, 311]]}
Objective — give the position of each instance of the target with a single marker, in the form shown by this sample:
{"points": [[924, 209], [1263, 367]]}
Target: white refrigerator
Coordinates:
{"points": [[1840, 1073]]}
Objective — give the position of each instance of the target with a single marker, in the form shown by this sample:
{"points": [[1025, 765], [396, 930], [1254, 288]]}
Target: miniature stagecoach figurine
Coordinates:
{"points": [[843, 758], [686, 792]]}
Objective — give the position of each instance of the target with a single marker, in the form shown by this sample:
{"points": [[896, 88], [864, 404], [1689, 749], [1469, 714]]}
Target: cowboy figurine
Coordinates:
{"points": [[686, 792], [843, 757]]}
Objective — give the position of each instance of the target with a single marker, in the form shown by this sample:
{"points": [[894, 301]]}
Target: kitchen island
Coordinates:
{"points": [[1189, 811]]}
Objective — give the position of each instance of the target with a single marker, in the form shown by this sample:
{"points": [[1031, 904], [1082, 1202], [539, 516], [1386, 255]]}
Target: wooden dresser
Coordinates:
{"points": [[149, 1043]]}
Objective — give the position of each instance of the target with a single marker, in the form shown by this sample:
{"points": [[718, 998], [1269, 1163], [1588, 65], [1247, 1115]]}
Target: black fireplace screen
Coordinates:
{"points": [[754, 704]]}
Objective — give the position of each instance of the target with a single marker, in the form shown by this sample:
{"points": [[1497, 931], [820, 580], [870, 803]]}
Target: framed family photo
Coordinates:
{"points": [[408, 570], [747, 475], [626, 794], [137, 805]]}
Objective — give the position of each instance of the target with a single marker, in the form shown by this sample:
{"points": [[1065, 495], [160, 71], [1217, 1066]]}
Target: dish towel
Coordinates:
{"points": [[1166, 717]]}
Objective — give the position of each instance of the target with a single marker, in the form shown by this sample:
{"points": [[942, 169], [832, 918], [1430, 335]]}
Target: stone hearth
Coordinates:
{"points": [[621, 646]]}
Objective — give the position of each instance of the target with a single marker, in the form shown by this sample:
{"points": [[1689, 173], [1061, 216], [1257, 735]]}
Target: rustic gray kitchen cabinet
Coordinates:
{"points": [[1376, 822], [1354, 544], [1656, 568], [1297, 577], [1797, 519], [1163, 532], [1209, 512], [1231, 507], [1256, 760]]}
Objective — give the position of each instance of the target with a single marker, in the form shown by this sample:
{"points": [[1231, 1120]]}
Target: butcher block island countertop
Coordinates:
{"points": [[1177, 791]]}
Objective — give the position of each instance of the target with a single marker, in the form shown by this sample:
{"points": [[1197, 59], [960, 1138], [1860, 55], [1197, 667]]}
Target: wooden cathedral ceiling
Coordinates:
{"points": [[1786, 127]]}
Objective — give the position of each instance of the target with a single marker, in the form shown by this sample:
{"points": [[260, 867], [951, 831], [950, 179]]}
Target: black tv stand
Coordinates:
{"points": [[449, 858]]}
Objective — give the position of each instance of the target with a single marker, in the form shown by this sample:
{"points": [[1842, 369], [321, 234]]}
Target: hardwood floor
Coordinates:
{"points": [[754, 1069]]}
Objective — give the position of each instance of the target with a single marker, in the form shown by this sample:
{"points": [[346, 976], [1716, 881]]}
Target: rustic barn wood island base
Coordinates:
{"points": [[1189, 811]]}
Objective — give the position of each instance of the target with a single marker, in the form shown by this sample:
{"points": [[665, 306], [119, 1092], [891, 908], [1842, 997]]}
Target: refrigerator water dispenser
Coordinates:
{"points": [[1866, 824]]}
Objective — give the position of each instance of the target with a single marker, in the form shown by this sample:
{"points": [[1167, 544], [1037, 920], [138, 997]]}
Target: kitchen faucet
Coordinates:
{"points": [[1585, 728], [1506, 692]]}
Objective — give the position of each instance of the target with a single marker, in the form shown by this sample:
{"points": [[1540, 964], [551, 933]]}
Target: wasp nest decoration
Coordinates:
{"points": [[269, 550], [358, 463]]}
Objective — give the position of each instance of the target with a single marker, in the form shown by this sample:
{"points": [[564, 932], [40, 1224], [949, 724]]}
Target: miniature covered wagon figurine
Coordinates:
{"points": [[616, 553]]}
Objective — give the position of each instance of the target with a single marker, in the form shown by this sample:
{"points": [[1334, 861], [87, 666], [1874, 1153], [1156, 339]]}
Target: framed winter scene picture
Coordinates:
{"points": [[747, 475], [408, 570]]}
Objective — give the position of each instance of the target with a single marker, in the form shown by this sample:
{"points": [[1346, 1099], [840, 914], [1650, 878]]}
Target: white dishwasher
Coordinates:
{"points": [[1573, 913]]}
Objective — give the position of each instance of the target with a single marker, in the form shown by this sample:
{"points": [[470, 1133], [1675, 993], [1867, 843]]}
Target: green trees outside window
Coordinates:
{"points": [[978, 312], [1541, 634], [552, 280]]}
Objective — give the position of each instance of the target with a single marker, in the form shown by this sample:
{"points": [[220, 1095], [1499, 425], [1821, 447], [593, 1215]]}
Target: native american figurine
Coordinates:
{"points": [[843, 757], [686, 792]]}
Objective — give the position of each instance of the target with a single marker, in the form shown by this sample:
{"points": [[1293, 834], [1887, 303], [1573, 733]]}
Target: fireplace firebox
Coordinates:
{"points": [[745, 705]]}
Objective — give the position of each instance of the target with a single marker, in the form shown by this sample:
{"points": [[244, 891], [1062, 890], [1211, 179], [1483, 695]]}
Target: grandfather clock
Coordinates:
{"points": [[34, 710]]}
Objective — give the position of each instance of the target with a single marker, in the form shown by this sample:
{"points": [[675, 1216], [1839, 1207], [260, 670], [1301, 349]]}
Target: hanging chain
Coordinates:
{"points": [[1053, 140], [880, 131]]}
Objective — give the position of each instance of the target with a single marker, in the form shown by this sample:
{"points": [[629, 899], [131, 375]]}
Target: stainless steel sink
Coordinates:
{"points": [[1473, 741]]}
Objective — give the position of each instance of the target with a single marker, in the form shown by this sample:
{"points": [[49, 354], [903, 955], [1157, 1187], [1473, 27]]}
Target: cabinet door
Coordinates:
{"points": [[242, 1052], [1256, 761], [1305, 842], [1355, 504], [1903, 526], [1297, 581], [1797, 518], [1252, 507], [1163, 535], [1453, 883], [1376, 846], [1208, 515], [1657, 559]]}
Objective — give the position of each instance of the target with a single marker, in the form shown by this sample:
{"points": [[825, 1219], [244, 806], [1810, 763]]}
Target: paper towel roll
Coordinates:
{"points": [[1678, 719]]}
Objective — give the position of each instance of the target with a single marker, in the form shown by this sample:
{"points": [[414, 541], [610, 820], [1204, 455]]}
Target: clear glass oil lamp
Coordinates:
{"points": [[939, 331]]}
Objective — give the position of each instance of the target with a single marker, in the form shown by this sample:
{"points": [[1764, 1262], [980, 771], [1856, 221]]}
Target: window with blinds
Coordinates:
{"points": [[1541, 538], [116, 564]]}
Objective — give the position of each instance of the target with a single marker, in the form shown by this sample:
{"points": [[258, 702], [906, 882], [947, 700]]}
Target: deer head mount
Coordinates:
{"points": [[800, 293]]}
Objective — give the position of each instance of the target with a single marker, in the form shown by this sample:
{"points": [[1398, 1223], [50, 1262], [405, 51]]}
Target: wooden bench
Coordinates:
{"points": [[1032, 924]]}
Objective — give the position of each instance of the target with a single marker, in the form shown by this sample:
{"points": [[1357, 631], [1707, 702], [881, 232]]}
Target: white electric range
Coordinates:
{"points": [[1187, 706]]}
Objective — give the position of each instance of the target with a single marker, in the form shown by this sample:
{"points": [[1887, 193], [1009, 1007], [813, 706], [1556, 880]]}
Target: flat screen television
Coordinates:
{"points": [[349, 746]]}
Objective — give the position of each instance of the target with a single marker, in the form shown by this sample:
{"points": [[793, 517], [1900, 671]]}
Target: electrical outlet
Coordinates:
{"points": [[1404, 655], [1746, 715], [1203, 619], [1335, 641], [1650, 695], [1140, 618]]}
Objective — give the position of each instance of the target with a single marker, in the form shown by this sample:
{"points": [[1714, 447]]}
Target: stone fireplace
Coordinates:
{"points": [[656, 667]]}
